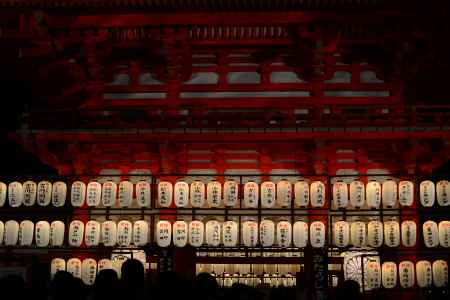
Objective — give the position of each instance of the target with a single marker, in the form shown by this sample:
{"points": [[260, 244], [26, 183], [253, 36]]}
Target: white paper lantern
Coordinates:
{"points": [[165, 193], [424, 273], [430, 234], [268, 193], [59, 193], [373, 273], [143, 194], [163, 233], [57, 264], [29, 193], [140, 233], [409, 233], [427, 193], [251, 194], [3, 193], [44, 193], [88, 271], [358, 234], [406, 274], [267, 233], [340, 195], [197, 194], [78, 194], [11, 233], [284, 234], [76, 233], [42, 234], [57, 229], [109, 233], [93, 193], [443, 193], [389, 193], [341, 234], [284, 193], [230, 233], [440, 273], [104, 264], [181, 194], [196, 233], [213, 233], [250, 233], [357, 194], [74, 267], [26, 232], [375, 233], [15, 194], [301, 234], [180, 233], [301, 191], [444, 233], [124, 233], [2, 232], [92, 233], [373, 194], [317, 192], [214, 193], [317, 234], [109, 194], [389, 275], [406, 193], [230, 193], [125, 193], [392, 233]]}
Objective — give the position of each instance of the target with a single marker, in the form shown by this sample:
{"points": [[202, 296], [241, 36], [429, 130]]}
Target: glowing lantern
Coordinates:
{"points": [[125, 193], [181, 194], [251, 194], [301, 192], [44, 193], [340, 195], [42, 234], [29, 193], [197, 194], [78, 194], [93, 193], [357, 194], [92, 233], [163, 233], [15, 194], [76, 233], [268, 192], [59, 193], [109, 194], [196, 233], [427, 193], [214, 193], [124, 233]]}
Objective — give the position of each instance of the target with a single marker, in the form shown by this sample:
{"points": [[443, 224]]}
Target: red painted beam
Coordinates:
{"points": [[227, 18], [225, 137]]}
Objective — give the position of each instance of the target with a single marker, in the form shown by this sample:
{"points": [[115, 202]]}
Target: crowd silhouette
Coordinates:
{"points": [[133, 285]]}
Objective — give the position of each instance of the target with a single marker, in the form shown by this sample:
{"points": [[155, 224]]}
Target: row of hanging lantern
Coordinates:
{"points": [[214, 233], [424, 274], [213, 194], [86, 269], [272, 280]]}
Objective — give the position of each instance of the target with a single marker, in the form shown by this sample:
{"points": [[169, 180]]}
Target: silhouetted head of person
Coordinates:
{"points": [[106, 285], [349, 290], [132, 273], [206, 284], [62, 286]]}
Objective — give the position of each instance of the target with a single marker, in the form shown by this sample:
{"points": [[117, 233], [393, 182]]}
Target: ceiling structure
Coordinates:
{"points": [[174, 86]]}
